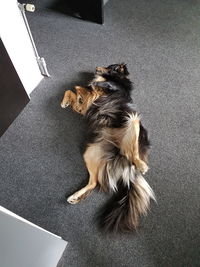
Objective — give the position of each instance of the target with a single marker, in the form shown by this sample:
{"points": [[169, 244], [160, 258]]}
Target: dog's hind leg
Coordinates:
{"points": [[130, 143], [92, 157]]}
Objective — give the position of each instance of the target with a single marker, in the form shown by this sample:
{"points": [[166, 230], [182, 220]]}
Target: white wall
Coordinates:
{"points": [[16, 40]]}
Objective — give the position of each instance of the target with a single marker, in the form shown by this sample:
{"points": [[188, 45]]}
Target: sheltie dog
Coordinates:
{"points": [[117, 151]]}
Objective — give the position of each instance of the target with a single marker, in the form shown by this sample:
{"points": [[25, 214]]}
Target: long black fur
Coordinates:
{"points": [[111, 217]]}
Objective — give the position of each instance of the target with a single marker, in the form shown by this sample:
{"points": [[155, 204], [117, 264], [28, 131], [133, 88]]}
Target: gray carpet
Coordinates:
{"points": [[41, 153]]}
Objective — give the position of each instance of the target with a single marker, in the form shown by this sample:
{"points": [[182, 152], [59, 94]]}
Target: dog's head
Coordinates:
{"points": [[120, 70]]}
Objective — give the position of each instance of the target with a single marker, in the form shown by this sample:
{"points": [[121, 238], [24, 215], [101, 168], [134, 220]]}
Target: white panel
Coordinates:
{"points": [[24, 244], [16, 40]]}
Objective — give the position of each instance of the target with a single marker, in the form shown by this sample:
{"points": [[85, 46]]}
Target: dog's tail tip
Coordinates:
{"points": [[122, 212]]}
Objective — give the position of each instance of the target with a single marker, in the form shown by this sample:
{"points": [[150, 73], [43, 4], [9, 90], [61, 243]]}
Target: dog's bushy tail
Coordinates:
{"points": [[131, 192], [128, 203]]}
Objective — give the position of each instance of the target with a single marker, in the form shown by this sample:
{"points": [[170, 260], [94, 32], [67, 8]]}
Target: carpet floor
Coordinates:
{"points": [[41, 152]]}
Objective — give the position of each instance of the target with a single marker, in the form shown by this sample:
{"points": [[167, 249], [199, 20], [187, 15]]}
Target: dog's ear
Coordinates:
{"points": [[107, 86]]}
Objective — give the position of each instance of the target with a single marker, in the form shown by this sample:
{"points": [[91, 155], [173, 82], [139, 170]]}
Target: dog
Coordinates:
{"points": [[117, 151]]}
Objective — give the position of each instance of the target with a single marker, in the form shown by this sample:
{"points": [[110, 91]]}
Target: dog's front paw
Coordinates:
{"points": [[66, 101], [64, 104]]}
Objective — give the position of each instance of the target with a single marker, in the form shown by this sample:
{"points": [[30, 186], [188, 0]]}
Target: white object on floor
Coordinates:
{"points": [[24, 244]]}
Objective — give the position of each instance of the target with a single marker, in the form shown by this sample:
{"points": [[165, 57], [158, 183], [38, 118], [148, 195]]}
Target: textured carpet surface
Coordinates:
{"points": [[41, 153]]}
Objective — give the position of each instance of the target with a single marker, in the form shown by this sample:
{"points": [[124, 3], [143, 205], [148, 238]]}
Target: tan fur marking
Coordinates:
{"points": [[101, 69], [130, 143], [99, 79]]}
